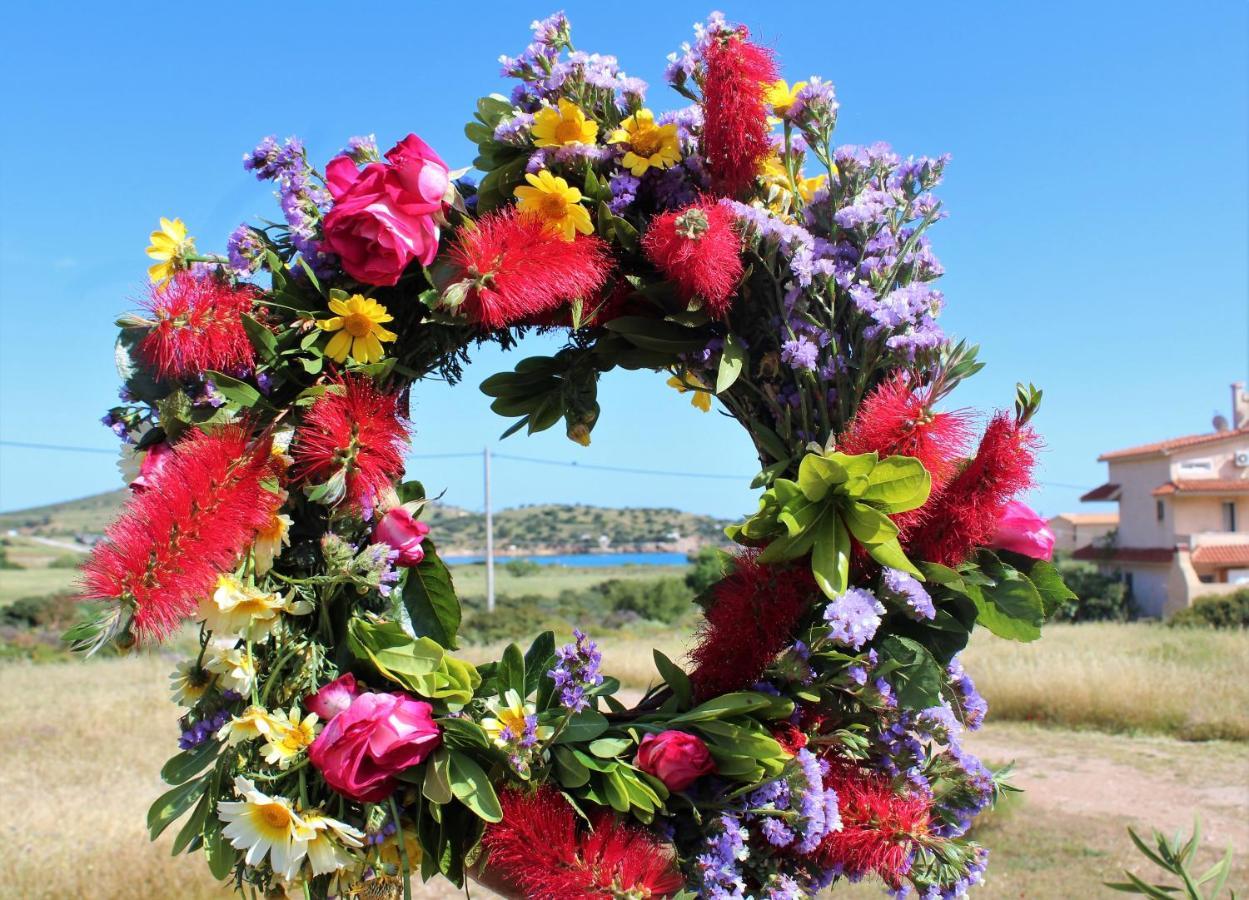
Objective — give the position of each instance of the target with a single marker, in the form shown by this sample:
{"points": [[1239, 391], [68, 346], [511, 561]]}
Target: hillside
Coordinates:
{"points": [[536, 529]]}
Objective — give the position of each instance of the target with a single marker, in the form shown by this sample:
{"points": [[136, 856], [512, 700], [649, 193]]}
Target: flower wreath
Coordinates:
{"points": [[333, 744]]}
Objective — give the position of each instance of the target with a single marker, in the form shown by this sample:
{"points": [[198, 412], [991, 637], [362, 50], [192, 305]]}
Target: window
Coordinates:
{"points": [[1196, 466], [1162, 510], [1229, 515]]}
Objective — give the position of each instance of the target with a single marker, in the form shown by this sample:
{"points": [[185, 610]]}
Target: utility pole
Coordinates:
{"points": [[489, 537]]}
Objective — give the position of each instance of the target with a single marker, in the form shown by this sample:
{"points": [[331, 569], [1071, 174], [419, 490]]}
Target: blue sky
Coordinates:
{"points": [[1096, 243]]}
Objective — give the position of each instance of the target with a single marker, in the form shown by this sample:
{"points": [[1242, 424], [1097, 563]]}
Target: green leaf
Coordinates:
{"points": [[193, 827], [732, 360], [172, 804], [264, 340], [674, 676], [584, 726], [817, 474], [511, 671], [437, 784], [1049, 583], [539, 659], [609, 748], [569, 770], [471, 787], [739, 703], [1009, 606], [830, 556], [898, 484], [917, 677], [217, 850], [889, 553], [869, 526], [235, 391], [658, 335], [189, 763], [430, 599]]}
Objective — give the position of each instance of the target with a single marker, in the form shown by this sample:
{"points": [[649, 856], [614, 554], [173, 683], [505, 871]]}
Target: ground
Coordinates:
{"points": [[83, 743]]}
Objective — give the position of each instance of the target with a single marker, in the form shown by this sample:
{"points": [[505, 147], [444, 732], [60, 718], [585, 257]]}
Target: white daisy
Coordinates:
{"points": [[264, 825]]}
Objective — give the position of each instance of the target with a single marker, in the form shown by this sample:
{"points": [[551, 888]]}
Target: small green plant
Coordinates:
{"points": [[1216, 611], [520, 568], [1174, 855]]}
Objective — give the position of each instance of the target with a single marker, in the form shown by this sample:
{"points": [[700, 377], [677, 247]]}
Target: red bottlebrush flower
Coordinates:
{"points": [[735, 109], [511, 266], [539, 847], [698, 247], [172, 540], [199, 327], [751, 619], [352, 439], [789, 736], [965, 515], [879, 828]]}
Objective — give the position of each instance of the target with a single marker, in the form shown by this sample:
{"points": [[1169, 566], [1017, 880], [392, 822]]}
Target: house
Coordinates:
{"points": [[1183, 515], [1075, 530]]}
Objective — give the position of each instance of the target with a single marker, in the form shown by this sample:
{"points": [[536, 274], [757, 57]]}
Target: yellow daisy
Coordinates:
{"points": [[781, 96], [253, 723], [565, 125], [650, 145], [270, 540], [170, 246], [512, 721], [553, 200], [288, 736], [702, 396], [327, 849], [190, 682], [808, 186], [358, 321], [235, 666], [265, 826], [245, 611]]}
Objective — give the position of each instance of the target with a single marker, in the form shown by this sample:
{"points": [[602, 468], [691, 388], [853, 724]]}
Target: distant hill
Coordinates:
{"points": [[534, 529]]}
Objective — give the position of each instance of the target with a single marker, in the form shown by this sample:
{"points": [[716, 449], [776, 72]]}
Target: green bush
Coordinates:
{"points": [[1099, 598], [5, 562], [709, 566], [1216, 611], [67, 561], [54, 610], [522, 567], [660, 599]]}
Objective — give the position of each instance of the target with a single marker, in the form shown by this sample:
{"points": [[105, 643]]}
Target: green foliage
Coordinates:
{"points": [[1174, 856], [661, 600], [1098, 597], [430, 600], [522, 568], [5, 562], [836, 497], [710, 565], [1216, 611], [51, 611], [64, 561], [420, 665]]}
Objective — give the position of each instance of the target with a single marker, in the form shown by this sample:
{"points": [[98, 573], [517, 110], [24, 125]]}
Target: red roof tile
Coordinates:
{"points": [[1222, 555], [1125, 554], [1103, 492], [1203, 486], [1178, 443]]}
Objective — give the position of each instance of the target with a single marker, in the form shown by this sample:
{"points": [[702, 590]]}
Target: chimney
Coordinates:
{"points": [[1240, 405]]}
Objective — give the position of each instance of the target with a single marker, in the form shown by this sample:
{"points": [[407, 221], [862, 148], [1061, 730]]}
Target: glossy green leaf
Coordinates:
{"points": [[675, 677], [830, 556], [437, 784], [172, 804], [471, 787], [898, 484], [430, 599], [732, 361]]}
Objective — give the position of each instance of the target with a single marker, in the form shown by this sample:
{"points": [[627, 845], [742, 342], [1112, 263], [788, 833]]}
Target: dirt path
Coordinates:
{"points": [[1154, 782]]}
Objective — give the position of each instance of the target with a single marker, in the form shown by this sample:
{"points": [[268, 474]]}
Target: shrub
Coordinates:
{"points": [[1099, 598], [66, 561], [5, 562], [1216, 611], [709, 565], [660, 599], [520, 568], [54, 610]]}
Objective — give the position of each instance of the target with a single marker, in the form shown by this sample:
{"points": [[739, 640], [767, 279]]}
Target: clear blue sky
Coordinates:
{"points": [[1096, 242]]}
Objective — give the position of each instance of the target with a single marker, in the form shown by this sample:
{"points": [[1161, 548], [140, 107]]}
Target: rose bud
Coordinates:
{"points": [[332, 698], [1022, 530], [676, 758], [403, 533]]}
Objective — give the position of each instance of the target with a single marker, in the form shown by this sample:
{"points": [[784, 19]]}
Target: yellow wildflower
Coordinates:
{"points": [[358, 321], [235, 665], [702, 396], [565, 125], [553, 200], [270, 540], [170, 247], [808, 186], [327, 849], [513, 720], [253, 723], [265, 826], [781, 96], [288, 736], [245, 611], [190, 682], [650, 145]]}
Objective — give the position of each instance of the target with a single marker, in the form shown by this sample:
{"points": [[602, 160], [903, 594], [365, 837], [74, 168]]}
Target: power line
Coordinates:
{"points": [[33, 446], [626, 469]]}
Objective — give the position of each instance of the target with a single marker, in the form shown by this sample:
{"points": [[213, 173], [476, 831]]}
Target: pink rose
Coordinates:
{"points": [[153, 461], [402, 532], [676, 758], [333, 698], [1021, 530], [386, 214], [365, 746]]}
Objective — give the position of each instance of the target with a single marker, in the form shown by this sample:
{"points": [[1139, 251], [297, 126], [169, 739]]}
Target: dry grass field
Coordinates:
{"points": [[82, 743]]}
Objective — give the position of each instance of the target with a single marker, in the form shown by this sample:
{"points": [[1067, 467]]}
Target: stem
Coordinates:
{"points": [[401, 840]]}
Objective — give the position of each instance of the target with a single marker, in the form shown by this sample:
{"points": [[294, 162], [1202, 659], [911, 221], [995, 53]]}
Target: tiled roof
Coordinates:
{"points": [[1203, 486], [1088, 518], [1222, 555], [1191, 440], [1125, 554], [1106, 491]]}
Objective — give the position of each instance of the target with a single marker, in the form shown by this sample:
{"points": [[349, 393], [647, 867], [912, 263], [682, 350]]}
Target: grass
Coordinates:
{"points": [[16, 583], [1187, 683], [470, 580]]}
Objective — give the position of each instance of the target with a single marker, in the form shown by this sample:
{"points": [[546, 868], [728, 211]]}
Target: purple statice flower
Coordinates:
{"points": [[567, 155], [776, 832], [363, 149], [271, 161], [208, 395], [576, 669], [970, 701], [245, 251], [719, 867], [687, 119], [678, 185], [204, 729], [974, 796], [624, 190], [800, 353], [906, 588], [785, 887], [117, 425], [554, 31], [853, 618], [515, 129], [868, 208], [938, 723], [815, 105]]}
